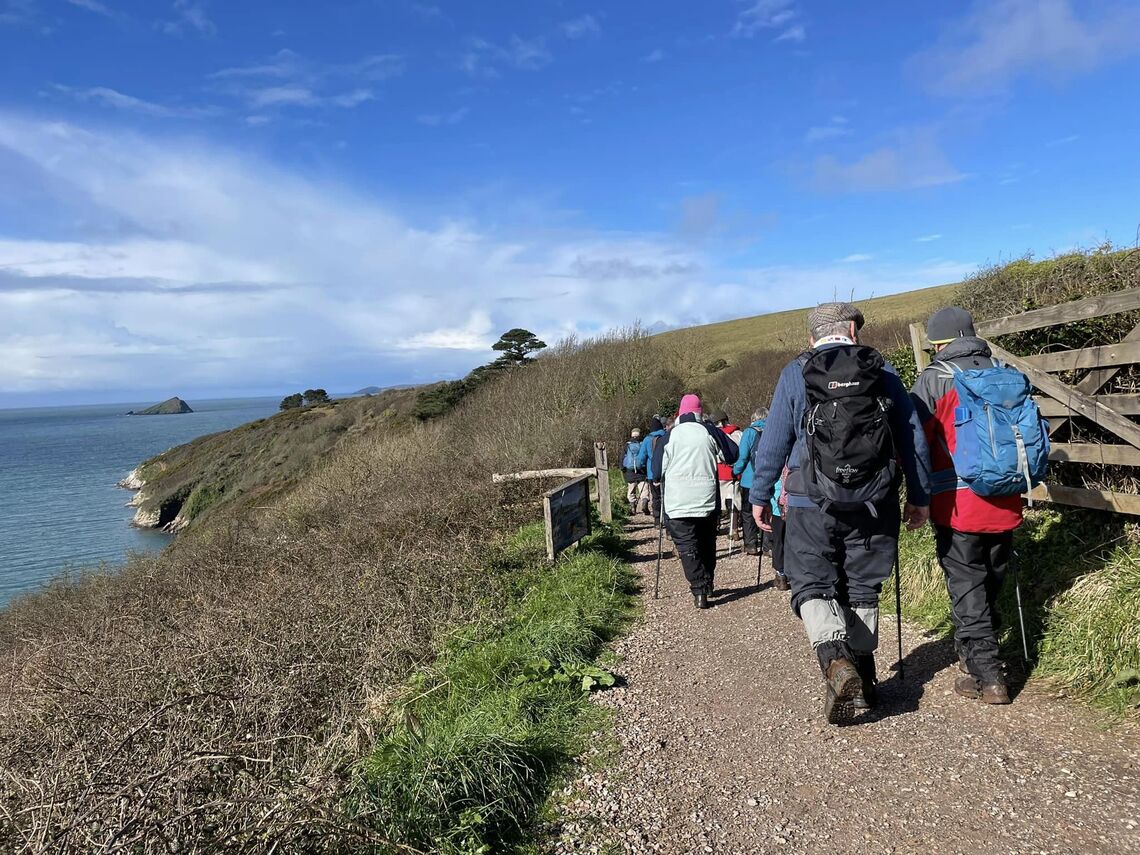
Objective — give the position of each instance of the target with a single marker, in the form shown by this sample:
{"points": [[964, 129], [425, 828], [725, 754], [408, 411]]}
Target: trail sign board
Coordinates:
{"points": [[567, 512]]}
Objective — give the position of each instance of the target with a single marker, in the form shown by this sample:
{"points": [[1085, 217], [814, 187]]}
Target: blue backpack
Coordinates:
{"points": [[629, 462], [1002, 446]]}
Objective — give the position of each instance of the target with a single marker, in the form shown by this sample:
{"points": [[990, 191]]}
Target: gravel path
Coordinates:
{"points": [[724, 749]]}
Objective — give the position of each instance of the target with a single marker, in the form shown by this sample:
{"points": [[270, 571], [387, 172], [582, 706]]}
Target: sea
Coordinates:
{"points": [[60, 509]]}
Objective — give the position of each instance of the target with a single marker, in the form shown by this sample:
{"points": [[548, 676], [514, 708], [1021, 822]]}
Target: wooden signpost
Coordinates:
{"points": [[566, 509]]}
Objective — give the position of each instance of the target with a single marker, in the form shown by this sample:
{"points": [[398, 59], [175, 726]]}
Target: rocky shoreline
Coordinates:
{"points": [[144, 517]]}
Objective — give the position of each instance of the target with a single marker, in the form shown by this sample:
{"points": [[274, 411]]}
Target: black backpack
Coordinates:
{"points": [[850, 461]]}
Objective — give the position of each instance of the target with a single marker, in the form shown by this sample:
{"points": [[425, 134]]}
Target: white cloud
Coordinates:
{"points": [[792, 34], [836, 128], [1071, 138], [485, 59], [92, 6], [581, 27], [288, 80], [912, 161], [762, 15], [856, 258], [1002, 40], [655, 55], [928, 238], [189, 15], [17, 11], [437, 119], [200, 269], [120, 101]]}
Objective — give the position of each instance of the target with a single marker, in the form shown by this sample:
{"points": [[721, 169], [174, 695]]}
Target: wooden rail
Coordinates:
{"points": [[1078, 310]]}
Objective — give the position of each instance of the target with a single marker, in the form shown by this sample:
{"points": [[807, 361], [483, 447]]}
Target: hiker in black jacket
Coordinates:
{"points": [[841, 531]]}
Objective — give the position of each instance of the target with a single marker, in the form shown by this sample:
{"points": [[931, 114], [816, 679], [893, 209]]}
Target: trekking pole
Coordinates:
{"points": [[732, 515], [660, 541], [1020, 613], [898, 609]]}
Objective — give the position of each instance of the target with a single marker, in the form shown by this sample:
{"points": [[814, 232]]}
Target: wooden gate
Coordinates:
{"points": [[1060, 402]]}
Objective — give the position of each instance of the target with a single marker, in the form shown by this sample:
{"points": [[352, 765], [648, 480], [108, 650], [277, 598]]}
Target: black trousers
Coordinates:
{"points": [[975, 566], [748, 525], [841, 556], [695, 539], [655, 502], [776, 538]]}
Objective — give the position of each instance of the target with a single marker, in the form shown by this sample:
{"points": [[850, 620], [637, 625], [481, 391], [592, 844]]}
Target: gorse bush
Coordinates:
{"points": [[216, 697]]}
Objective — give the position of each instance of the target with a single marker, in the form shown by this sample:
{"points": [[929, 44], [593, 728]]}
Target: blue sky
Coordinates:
{"points": [[205, 198]]}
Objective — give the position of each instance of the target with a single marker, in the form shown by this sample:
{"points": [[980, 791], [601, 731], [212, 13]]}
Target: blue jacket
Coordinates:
{"points": [[645, 455], [742, 469], [783, 440]]}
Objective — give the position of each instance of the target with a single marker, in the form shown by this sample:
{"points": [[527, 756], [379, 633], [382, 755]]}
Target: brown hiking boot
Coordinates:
{"points": [[868, 697], [842, 683], [995, 693], [988, 693], [782, 583]]}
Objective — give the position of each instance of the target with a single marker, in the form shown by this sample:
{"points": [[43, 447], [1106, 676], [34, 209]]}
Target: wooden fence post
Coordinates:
{"points": [[602, 470], [921, 357]]}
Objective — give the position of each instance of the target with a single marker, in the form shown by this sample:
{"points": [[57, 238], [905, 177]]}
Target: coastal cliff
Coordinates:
{"points": [[248, 467]]}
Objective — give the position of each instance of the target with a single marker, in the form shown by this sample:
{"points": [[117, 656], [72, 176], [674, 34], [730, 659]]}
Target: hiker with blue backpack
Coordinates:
{"points": [[988, 445], [742, 469], [633, 470], [843, 424], [645, 459]]}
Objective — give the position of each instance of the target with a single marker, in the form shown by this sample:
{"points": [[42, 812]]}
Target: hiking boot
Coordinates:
{"points": [[701, 598], [868, 698], [751, 550], [962, 666], [782, 583], [995, 693], [842, 683]]}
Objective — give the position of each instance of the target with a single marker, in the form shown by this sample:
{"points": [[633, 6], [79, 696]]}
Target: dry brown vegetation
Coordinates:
{"points": [[217, 697], [256, 462]]}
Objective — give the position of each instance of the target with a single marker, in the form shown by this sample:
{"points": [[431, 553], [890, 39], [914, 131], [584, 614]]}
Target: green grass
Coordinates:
{"points": [[470, 753], [729, 339], [1080, 586]]}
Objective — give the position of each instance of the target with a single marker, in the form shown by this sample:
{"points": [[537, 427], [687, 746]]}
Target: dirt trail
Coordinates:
{"points": [[724, 748]]}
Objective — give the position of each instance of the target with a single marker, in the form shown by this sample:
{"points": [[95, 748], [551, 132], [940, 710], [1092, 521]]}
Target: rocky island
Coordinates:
{"points": [[169, 407]]}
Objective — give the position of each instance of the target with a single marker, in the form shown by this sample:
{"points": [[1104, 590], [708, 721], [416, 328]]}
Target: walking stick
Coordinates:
{"points": [[732, 515], [660, 541], [898, 609], [1020, 613]]}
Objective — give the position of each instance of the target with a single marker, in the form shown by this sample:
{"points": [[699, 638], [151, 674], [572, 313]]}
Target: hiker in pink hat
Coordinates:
{"points": [[687, 462]]}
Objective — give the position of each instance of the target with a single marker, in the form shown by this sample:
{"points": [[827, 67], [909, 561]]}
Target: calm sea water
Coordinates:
{"points": [[59, 507]]}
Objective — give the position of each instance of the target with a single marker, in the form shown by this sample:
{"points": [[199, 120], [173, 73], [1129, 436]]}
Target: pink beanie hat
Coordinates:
{"points": [[689, 404]]}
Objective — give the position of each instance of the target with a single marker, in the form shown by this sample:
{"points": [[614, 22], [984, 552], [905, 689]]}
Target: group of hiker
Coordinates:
{"points": [[816, 476]]}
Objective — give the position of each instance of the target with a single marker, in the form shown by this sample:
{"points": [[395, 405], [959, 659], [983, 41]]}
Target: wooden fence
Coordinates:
{"points": [[1083, 400]]}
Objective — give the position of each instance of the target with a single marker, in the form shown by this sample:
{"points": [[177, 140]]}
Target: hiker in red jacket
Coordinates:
{"points": [[729, 489], [973, 534]]}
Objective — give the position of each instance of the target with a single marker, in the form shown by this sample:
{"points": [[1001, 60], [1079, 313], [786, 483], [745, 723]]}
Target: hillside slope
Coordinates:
{"points": [[729, 339]]}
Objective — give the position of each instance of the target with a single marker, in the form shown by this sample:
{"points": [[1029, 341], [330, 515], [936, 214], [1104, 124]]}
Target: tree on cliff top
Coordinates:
{"points": [[292, 402], [516, 346], [315, 396]]}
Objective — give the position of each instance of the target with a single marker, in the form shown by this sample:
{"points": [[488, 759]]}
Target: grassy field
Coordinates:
{"points": [[779, 330]]}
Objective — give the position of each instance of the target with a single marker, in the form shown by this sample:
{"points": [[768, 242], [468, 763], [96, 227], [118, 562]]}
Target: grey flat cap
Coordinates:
{"points": [[950, 323], [834, 313]]}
